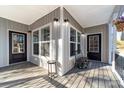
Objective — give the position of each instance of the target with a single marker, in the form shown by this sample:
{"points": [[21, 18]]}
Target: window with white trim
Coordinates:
{"points": [[75, 46], [45, 41], [36, 42]]}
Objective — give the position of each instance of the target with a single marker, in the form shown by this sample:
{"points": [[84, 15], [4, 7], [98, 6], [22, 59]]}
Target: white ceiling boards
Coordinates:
{"points": [[90, 15], [26, 14], [86, 15]]}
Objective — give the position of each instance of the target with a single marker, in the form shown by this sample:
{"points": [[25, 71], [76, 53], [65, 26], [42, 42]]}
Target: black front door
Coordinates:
{"points": [[94, 47], [17, 47]]}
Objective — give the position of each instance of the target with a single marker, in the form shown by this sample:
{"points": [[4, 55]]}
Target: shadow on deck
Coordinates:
{"points": [[29, 75]]}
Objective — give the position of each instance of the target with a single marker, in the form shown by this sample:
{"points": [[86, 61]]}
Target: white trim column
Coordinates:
{"points": [[60, 65]]}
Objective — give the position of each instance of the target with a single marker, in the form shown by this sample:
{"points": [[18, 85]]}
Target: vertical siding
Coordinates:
{"points": [[104, 29], [6, 24]]}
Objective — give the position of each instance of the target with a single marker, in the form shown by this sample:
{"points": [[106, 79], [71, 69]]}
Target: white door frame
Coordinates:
{"points": [[101, 43]]}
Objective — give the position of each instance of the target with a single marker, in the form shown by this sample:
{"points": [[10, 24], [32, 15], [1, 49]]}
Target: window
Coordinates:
{"points": [[18, 43], [78, 43], [45, 41], [73, 35], [75, 46], [72, 41], [36, 42]]}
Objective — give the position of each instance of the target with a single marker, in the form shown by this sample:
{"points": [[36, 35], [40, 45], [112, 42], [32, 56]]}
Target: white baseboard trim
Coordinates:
{"points": [[118, 76]]}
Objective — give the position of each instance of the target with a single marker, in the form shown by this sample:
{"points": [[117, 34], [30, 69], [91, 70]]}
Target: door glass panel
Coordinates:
{"points": [[94, 43], [18, 43]]}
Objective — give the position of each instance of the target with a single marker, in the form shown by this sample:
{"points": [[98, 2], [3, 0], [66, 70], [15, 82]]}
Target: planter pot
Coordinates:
{"points": [[120, 27]]}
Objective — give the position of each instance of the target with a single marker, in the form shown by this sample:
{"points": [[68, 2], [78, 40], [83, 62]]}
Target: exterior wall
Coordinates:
{"points": [[72, 21], [68, 61], [104, 30], [6, 24], [56, 39], [46, 19], [60, 41]]}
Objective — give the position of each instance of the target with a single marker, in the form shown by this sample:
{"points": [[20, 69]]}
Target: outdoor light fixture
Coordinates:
{"points": [[82, 33], [55, 19], [29, 31], [66, 20]]}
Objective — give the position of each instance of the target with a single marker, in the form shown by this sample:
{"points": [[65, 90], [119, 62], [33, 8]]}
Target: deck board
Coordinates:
{"points": [[28, 75], [101, 77], [89, 78], [82, 81], [95, 79]]}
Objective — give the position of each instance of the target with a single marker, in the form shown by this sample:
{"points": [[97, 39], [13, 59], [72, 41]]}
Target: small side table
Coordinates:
{"points": [[52, 63]]}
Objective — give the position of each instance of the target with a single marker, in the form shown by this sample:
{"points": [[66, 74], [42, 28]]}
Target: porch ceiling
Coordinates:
{"points": [[90, 15], [86, 15], [26, 14]]}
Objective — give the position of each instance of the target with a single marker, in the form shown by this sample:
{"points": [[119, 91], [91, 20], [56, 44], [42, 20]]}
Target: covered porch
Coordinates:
{"points": [[26, 74]]}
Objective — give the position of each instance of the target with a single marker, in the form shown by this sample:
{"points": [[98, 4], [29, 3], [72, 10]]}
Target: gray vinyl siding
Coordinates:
{"points": [[60, 44], [104, 29], [72, 21], [17, 26], [3, 42], [57, 36], [46, 19], [56, 33], [49, 18], [6, 24], [69, 61]]}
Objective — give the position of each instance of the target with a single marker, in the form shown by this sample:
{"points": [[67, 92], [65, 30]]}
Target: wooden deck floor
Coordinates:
{"points": [[28, 75]]}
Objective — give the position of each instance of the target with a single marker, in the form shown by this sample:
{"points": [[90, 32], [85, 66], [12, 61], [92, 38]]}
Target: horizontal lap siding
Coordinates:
{"points": [[72, 21], [6, 24], [3, 42], [69, 63], [17, 26], [104, 29], [45, 19], [56, 33]]}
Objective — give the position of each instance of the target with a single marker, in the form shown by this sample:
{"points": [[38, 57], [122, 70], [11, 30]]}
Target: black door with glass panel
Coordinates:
{"points": [[94, 47], [17, 47]]}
